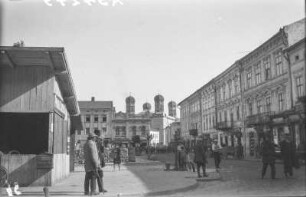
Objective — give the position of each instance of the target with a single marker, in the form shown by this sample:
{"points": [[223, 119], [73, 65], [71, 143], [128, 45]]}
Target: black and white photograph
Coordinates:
{"points": [[139, 98]]}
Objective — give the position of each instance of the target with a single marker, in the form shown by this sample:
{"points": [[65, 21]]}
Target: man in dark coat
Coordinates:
{"points": [[200, 157], [288, 155], [268, 157], [100, 148], [92, 165]]}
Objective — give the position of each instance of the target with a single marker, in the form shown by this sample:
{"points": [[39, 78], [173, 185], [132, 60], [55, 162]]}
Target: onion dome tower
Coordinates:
{"points": [[146, 107], [130, 105], [159, 103], [172, 108]]}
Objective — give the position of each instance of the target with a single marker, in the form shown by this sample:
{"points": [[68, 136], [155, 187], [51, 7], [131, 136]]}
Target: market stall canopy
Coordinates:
{"points": [[52, 57]]}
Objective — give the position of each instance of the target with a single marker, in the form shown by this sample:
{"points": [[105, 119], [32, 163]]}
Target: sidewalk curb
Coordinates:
{"points": [[154, 193]]}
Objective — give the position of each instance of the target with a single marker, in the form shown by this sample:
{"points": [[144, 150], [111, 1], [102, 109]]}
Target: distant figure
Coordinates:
{"points": [[288, 155], [200, 157], [92, 165], [117, 156], [268, 157], [190, 160], [216, 154], [182, 158], [239, 151]]}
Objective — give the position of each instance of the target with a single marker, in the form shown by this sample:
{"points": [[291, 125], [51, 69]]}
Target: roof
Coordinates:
{"points": [[53, 57], [295, 31], [96, 104]]}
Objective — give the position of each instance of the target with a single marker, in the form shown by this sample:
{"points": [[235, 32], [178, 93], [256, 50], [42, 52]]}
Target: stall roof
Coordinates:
{"points": [[53, 57]]}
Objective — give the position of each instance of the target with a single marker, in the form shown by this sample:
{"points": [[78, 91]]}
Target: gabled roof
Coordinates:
{"points": [[52, 57]]}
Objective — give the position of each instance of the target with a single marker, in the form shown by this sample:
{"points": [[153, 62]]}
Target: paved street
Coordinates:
{"points": [[148, 178], [243, 178]]}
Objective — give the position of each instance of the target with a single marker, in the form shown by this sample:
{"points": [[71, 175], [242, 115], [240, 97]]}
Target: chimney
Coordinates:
{"points": [[93, 98]]}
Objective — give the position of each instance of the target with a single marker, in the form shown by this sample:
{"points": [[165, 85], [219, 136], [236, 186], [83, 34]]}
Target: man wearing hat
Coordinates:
{"points": [[200, 157], [92, 165]]}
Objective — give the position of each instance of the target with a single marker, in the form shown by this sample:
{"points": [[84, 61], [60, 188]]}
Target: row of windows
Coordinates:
{"points": [[266, 65], [122, 130], [95, 118], [260, 105], [208, 122], [87, 131], [232, 113], [228, 90]]}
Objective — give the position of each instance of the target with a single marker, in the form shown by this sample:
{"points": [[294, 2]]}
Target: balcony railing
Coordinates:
{"points": [[259, 119], [225, 125]]}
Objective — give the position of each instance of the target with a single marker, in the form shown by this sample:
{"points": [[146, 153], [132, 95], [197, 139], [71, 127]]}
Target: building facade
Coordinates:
{"points": [[127, 124], [96, 115], [259, 95], [39, 114]]}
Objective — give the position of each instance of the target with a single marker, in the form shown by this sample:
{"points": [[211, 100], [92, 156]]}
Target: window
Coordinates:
{"points": [[297, 57], [280, 101], [278, 63], [87, 119], [259, 107], [79, 132], [104, 118], [223, 92], [225, 116], [267, 66], [238, 113], [257, 74], [268, 103], [87, 131], [249, 79], [123, 131], [117, 131], [96, 118], [236, 86], [299, 86], [104, 130], [230, 88], [250, 108]]}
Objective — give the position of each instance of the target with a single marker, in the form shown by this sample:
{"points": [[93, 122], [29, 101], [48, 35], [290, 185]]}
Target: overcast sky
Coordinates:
{"points": [[146, 47]]}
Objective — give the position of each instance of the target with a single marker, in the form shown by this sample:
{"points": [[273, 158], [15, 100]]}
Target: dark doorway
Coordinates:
{"points": [[26, 133]]}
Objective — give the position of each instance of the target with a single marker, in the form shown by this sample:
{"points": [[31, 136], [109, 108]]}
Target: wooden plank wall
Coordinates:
{"points": [[26, 89], [60, 134]]}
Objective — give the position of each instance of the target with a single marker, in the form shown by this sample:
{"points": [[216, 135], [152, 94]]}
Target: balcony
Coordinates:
{"points": [[225, 125], [260, 119]]}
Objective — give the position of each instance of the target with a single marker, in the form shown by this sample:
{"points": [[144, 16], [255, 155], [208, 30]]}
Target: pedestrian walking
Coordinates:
{"points": [[268, 157], [288, 155], [200, 157], [100, 148], [216, 154], [92, 165], [190, 160], [117, 157]]}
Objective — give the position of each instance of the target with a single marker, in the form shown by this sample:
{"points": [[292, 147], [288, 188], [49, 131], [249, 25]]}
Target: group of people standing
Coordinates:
{"points": [[94, 162], [197, 157], [287, 150]]}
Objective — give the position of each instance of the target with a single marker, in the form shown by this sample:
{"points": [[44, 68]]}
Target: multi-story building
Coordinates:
{"points": [[297, 118], [191, 115], [260, 94], [129, 124], [96, 115], [208, 112], [228, 106]]}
